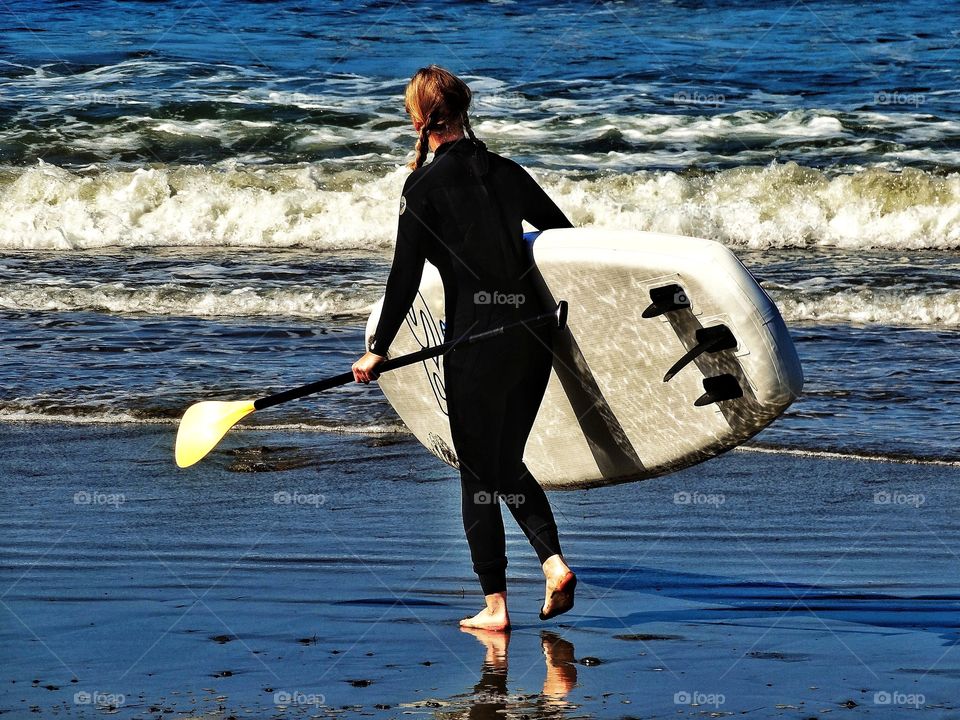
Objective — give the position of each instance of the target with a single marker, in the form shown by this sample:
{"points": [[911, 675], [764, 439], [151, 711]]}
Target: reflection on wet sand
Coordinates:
{"points": [[490, 698], [561, 667]]}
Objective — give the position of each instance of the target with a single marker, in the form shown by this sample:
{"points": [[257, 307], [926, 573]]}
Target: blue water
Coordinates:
{"points": [[198, 198], [887, 74]]}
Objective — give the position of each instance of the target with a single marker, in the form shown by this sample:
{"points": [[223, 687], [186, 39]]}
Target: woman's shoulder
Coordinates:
{"points": [[415, 187], [504, 166], [501, 159], [415, 176], [510, 171]]}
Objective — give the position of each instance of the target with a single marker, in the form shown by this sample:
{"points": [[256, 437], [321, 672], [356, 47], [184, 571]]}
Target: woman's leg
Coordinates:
{"points": [[476, 413], [526, 499], [523, 494]]}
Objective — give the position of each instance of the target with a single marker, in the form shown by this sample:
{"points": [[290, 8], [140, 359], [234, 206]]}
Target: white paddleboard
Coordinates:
{"points": [[638, 303]]}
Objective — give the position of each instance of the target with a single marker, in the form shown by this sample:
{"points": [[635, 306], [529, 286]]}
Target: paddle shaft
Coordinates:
{"points": [[557, 318]]}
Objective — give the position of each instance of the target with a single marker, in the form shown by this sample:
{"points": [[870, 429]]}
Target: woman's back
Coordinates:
{"points": [[464, 213]]}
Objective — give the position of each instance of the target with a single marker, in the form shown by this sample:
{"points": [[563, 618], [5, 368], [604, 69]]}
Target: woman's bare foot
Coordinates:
{"points": [[493, 617], [561, 583]]}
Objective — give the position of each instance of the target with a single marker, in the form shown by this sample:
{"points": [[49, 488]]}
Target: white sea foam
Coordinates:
{"points": [[47, 207], [871, 306], [776, 206], [96, 416], [38, 415], [831, 455], [177, 300], [332, 209]]}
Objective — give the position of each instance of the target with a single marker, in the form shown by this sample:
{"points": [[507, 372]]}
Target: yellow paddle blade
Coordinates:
{"points": [[202, 426]]}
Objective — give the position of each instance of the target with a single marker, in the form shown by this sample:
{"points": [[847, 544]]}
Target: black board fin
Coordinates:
{"points": [[721, 387], [709, 339], [665, 299]]}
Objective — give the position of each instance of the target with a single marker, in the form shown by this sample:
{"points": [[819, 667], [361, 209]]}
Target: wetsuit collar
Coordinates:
{"points": [[463, 143]]}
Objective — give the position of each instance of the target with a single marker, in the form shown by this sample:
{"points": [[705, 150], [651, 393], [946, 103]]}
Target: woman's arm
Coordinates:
{"points": [[403, 282]]}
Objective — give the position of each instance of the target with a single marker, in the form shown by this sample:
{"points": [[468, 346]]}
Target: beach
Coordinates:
{"points": [[199, 200], [314, 575]]}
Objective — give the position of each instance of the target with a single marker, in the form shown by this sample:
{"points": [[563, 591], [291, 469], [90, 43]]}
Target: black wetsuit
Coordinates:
{"points": [[463, 212]]}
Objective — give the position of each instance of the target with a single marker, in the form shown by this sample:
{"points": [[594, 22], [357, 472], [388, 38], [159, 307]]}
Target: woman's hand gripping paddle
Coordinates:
{"points": [[205, 423]]}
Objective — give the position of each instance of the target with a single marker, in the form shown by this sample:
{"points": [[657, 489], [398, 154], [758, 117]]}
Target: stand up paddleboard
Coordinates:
{"points": [[672, 354]]}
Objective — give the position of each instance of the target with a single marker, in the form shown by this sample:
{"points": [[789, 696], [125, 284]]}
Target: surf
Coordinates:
{"points": [[232, 205]]}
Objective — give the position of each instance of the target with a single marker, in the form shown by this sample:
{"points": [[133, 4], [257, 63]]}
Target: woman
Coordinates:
{"points": [[463, 212]]}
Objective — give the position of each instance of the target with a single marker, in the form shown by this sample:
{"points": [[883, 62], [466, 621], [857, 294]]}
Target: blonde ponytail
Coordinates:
{"points": [[465, 122], [439, 100]]}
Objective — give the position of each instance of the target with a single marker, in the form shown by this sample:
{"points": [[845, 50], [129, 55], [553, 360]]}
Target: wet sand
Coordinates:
{"points": [[321, 575]]}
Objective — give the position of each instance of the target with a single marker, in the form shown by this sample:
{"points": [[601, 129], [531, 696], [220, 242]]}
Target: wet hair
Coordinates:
{"points": [[440, 100]]}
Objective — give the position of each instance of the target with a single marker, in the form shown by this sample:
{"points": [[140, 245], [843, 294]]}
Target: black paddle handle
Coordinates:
{"points": [[556, 318]]}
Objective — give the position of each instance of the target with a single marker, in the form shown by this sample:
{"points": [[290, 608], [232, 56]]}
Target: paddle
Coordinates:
{"points": [[205, 423]]}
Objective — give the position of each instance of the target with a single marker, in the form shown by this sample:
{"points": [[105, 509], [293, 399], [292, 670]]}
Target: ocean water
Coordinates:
{"points": [[198, 199]]}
